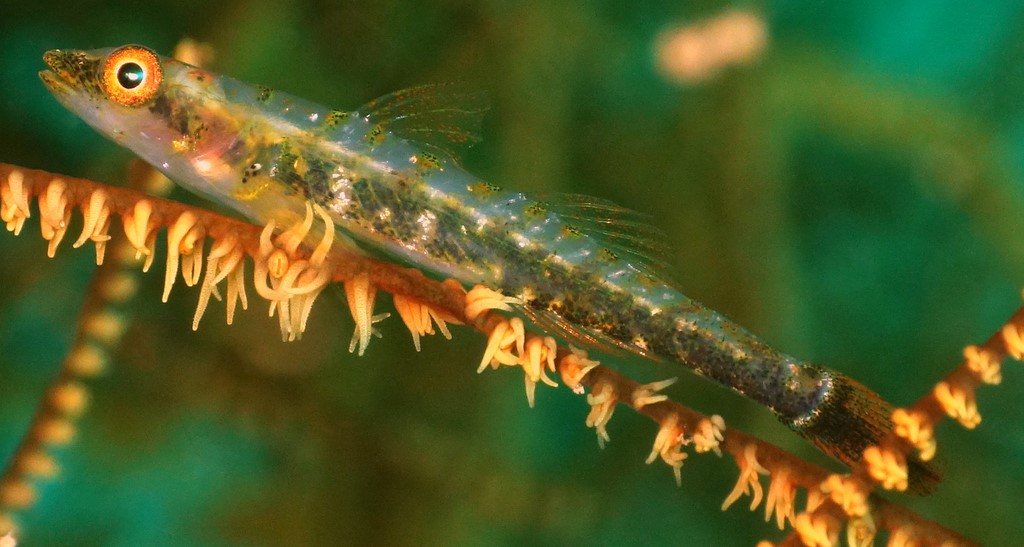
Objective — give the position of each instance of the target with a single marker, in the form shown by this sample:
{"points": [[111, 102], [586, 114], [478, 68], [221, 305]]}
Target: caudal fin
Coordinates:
{"points": [[853, 418]]}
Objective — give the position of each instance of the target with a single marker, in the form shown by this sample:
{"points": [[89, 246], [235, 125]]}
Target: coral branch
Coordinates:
{"points": [[286, 272], [886, 464], [679, 426], [289, 271]]}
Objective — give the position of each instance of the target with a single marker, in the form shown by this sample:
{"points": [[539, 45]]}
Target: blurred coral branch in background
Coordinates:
{"points": [[700, 51]]}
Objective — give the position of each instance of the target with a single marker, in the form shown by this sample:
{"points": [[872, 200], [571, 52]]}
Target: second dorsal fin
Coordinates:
{"points": [[446, 117], [627, 233]]}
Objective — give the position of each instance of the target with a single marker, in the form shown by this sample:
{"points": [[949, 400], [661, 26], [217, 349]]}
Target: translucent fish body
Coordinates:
{"points": [[581, 267]]}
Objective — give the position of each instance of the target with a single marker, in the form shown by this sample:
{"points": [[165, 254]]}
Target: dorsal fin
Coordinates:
{"points": [[446, 117], [629, 237], [627, 233]]}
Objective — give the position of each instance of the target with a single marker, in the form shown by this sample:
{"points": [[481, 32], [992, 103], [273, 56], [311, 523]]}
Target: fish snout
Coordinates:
{"points": [[71, 67]]}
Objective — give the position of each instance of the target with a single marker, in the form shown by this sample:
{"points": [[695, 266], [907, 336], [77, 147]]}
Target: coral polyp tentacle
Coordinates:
{"points": [[537, 355], [848, 493], [984, 364], [95, 220], [574, 366], [482, 299], [54, 215], [915, 428], [137, 226], [887, 467], [669, 446], [959, 403], [361, 295], [648, 393], [709, 435], [175, 233], [817, 530], [15, 197], [420, 318], [749, 481], [781, 498], [602, 400]]}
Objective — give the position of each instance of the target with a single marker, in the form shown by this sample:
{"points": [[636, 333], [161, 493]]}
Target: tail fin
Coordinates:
{"points": [[853, 418]]}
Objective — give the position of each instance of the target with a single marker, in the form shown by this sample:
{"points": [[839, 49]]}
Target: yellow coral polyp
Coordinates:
{"points": [[538, 353], [481, 299], [817, 530], [709, 435], [292, 283], [95, 223], [54, 215], [848, 493], [749, 482], [17, 494], [508, 343], [958, 402], [1013, 340], [914, 427], [647, 394], [224, 262], [69, 398], [573, 367], [361, 295], [38, 464], [14, 197], [420, 318], [781, 498], [984, 364], [506, 340], [602, 400], [887, 467], [140, 227], [669, 445], [861, 531]]}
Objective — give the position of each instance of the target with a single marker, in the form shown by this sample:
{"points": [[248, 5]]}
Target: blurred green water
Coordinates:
{"points": [[854, 196]]}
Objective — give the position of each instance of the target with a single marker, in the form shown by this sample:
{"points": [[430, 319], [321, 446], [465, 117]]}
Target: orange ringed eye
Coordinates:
{"points": [[131, 75]]}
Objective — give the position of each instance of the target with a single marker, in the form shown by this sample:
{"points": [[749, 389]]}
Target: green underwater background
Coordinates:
{"points": [[853, 193]]}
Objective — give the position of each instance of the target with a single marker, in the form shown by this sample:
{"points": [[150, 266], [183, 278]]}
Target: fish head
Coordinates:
{"points": [[171, 114], [117, 91]]}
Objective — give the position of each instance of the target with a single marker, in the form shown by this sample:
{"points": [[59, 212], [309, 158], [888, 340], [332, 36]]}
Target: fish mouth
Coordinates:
{"points": [[70, 69], [53, 82]]}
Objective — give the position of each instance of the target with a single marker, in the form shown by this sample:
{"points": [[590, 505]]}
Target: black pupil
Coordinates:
{"points": [[130, 75]]}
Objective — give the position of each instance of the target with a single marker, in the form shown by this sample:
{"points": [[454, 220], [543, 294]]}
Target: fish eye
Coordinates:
{"points": [[131, 75]]}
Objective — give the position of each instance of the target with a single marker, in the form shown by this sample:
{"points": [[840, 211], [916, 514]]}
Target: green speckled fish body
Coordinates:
{"points": [[265, 153], [388, 177]]}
